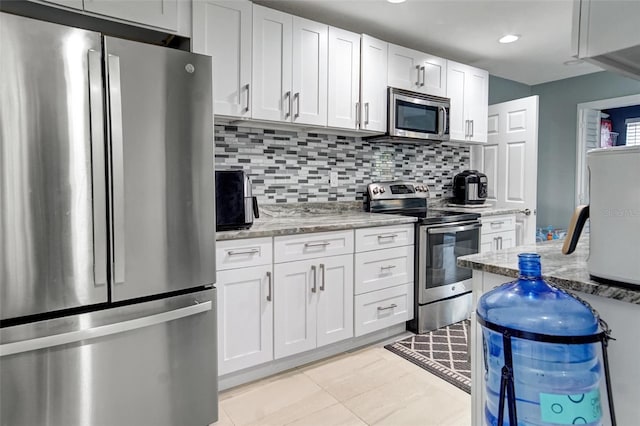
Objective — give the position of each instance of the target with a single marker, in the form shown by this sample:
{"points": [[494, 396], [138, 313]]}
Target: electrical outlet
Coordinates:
{"points": [[333, 179]]}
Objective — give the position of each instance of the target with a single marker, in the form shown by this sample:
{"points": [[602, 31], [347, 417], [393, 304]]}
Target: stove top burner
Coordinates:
{"points": [[409, 199]]}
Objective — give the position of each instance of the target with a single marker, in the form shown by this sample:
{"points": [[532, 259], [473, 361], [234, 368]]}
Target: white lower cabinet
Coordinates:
{"points": [[383, 308], [498, 232], [313, 303], [245, 317]]}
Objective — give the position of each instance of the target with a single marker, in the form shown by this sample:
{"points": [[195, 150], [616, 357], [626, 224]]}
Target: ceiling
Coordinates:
{"points": [[466, 31]]}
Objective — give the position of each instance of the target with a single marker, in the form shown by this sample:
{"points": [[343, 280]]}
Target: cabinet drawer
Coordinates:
{"points": [[243, 253], [498, 223], [384, 237], [309, 246], [380, 269], [383, 308]]}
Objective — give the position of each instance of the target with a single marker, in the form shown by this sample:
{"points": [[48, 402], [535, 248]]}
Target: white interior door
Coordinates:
{"points": [[510, 161], [589, 132]]}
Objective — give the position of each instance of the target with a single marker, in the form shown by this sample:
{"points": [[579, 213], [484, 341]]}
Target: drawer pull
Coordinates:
{"points": [[391, 306], [381, 237], [384, 268], [322, 244], [243, 252], [497, 223], [323, 273]]}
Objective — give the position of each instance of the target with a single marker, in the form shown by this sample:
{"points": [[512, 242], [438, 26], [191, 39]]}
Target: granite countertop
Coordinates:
{"points": [[300, 218], [485, 210], [566, 272]]}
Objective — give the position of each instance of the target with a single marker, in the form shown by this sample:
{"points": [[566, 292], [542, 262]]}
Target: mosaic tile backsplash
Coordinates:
{"points": [[294, 166]]}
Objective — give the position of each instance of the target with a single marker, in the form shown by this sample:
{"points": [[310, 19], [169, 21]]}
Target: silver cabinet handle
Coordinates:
{"points": [[296, 98], [497, 222], [357, 114], [384, 268], [500, 239], [287, 102], [418, 72], [453, 229], [322, 281], [314, 289], [242, 252], [270, 286], [117, 167], [101, 331], [466, 128], [495, 241], [248, 98], [391, 306], [382, 237], [424, 77], [322, 244], [471, 133], [366, 113], [98, 169]]}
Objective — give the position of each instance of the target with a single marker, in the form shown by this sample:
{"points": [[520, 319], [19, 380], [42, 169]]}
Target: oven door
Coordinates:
{"points": [[439, 276], [415, 117]]}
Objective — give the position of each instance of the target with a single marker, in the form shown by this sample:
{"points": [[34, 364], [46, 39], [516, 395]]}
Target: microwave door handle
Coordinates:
{"points": [[443, 125]]}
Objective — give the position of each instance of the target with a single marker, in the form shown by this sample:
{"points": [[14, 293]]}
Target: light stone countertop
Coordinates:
{"points": [[483, 211], [301, 218], [568, 272]]}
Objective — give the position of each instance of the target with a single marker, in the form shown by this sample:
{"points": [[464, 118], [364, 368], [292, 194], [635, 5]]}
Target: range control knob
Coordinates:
{"points": [[375, 190], [382, 190]]}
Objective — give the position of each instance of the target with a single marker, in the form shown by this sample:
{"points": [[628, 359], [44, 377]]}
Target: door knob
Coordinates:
{"points": [[527, 212]]}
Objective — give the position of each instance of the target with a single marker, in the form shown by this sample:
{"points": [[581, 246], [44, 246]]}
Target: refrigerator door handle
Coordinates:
{"points": [[96, 117], [117, 164], [101, 331]]}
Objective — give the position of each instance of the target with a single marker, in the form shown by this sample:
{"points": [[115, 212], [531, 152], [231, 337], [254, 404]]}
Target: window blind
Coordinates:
{"points": [[633, 131]]}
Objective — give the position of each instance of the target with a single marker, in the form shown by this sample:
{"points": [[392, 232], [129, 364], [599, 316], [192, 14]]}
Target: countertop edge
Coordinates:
{"points": [[312, 228]]}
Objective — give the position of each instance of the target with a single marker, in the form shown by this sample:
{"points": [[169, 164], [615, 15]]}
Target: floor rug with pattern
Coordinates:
{"points": [[442, 352]]}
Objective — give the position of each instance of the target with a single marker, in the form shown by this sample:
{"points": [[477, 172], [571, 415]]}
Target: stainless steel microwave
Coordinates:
{"points": [[413, 115]]}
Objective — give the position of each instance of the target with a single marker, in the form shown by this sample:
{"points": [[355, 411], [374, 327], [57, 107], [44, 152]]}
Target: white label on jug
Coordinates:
{"points": [[565, 409]]}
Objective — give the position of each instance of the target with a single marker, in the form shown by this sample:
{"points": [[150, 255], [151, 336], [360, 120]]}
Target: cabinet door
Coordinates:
{"points": [[295, 297], [222, 29], [374, 84], [271, 64], [404, 68], [487, 244], [310, 61], [344, 79], [456, 91], [245, 318], [335, 299], [156, 13], [477, 103], [433, 76]]}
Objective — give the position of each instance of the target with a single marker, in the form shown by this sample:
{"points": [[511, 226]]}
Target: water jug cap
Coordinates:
{"points": [[529, 265]]}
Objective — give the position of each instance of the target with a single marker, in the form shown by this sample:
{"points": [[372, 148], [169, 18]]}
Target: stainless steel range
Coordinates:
{"points": [[442, 289]]}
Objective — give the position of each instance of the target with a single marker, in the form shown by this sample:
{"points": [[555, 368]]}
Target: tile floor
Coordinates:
{"points": [[370, 386]]}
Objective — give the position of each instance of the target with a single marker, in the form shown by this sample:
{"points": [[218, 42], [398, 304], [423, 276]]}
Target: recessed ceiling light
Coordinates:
{"points": [[573, 62], [396, 1], [509, 38]]}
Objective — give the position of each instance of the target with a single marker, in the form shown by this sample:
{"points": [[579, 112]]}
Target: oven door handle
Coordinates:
{"points": [[452, 229]]}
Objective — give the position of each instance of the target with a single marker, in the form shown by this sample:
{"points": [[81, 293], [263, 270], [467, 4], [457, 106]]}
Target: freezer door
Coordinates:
{"points": [[53, 252], [144, 364], [162, 180]]}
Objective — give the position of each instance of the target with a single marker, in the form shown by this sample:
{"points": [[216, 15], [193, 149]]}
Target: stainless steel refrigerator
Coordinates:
{"points": [[107, 230]]}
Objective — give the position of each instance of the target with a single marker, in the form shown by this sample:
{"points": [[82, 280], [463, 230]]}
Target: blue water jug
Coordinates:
{"points": [[555, 384]]}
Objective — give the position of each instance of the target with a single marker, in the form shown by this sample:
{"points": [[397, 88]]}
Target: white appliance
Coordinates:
{"points": [[614, 241]]}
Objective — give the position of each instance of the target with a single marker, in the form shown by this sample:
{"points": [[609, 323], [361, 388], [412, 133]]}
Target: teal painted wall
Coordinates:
{"points": [[557, 137], [502, 90]]}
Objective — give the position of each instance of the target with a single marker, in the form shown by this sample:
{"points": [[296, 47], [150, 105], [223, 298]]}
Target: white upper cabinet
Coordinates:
{"points": [[344, 79], [222, 29], [417, 71], [271, 66], [373, 79], [468, 89], [289, 76], [155, 13], [404, 68], [309, 87]]}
